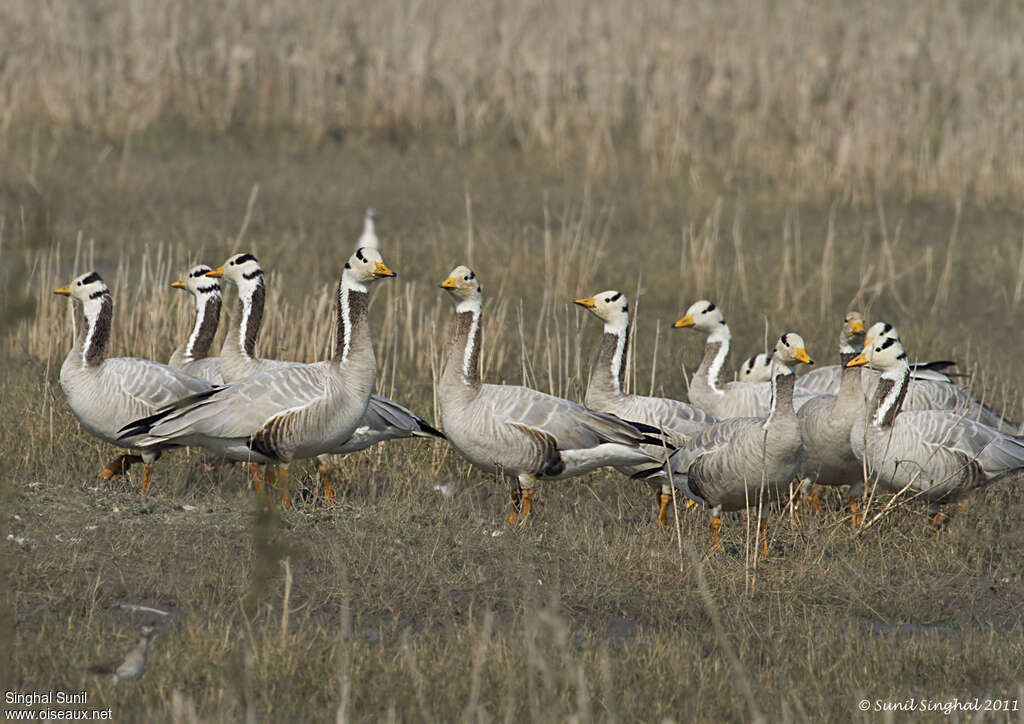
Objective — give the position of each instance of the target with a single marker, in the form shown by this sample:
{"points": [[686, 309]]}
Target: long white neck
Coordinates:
{"points": [[720, 336]]}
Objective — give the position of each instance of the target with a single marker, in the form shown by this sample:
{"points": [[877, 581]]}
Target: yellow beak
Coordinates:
{"points": [[858, 361], [686, 321], [180, 284], [448, 283], [802, 356], [589, 302], [64, 290], [380, 269], [216, 273], [856, 326]]}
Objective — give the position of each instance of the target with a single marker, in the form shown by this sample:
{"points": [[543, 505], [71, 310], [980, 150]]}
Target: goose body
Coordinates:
{"points": [[731, 464], [106, 393], [936, 455], [191, 356], [515, 431], [293, 411], [731, 399]]}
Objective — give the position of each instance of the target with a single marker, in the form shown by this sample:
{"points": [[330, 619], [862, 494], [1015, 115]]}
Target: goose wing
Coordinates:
{"points": [[678, 420], [820, 381], [570, 425], [152, 384], [239, 409], [995, 452], [387, 416]]}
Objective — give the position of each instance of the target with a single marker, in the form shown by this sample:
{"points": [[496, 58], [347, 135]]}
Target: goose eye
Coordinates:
{"points": [[466, 277]]}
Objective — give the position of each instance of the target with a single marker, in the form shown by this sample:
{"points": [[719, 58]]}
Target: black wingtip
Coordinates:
{"points": [[647, 473], [426, 428]]}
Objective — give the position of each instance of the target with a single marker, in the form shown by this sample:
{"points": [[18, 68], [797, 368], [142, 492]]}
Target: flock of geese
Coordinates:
{"points": [[735, 446]]}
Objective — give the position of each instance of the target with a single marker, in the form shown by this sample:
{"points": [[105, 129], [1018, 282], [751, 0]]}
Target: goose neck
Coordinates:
{"points": [[251, 299], [716, 351], [464, 354], [95, 333], [609, 375], [352, 338], [205, 327], [782, 383], [849, 378], [892, 389]]}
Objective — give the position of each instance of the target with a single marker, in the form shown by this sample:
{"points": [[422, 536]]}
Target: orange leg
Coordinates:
{"points": [[516, 493], [254, 477], [664, 500], [855, 517], [762, 533], [119, 466], [325, 476], [690, 504], [816, 500], [716, 526], [147, 476], [284, 479], [527, 504]]}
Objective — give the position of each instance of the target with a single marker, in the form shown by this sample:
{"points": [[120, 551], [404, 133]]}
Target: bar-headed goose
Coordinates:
{"points": [[732, 399], [727, 465], [756, 369], [936, 391], [192, 355], [291, 412], [518, 433], [937, 455], [384, 420], [678, 421], [106, 393]]}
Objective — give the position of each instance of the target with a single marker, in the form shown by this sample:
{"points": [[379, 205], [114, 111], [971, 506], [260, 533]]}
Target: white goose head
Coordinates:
{"points": [[198, 283], [241, 269], [880, 330], [465, 289], [885, 354], [706, 317], [756, 369], [851, 337], [611, 307], [88, 289], [790, 351], [364, 267]]}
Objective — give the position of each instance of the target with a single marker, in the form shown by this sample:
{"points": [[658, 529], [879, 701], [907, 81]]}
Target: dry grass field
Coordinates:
{"points": [[481, 136]]}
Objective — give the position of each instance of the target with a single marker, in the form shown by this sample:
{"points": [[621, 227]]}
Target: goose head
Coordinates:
{"points": [[364, 267], [611, 307], [465, 289], [706, 317], [791, 351], [241, 269], [885, 354], [88, 289], [197, 282], [756, 369], [851, 336], [880, 330]]}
